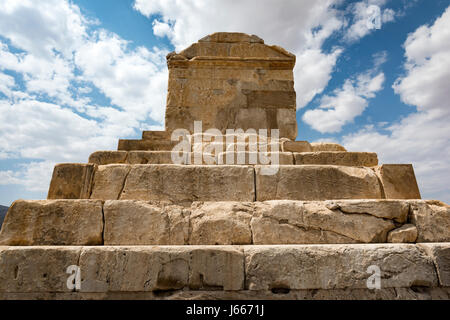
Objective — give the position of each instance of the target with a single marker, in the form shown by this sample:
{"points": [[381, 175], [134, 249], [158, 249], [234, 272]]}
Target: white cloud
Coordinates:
{"points": [[422, 137], [347, 102], [366, 15], [299, 26]]}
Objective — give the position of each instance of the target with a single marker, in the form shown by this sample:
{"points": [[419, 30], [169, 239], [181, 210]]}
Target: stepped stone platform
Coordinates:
{"points": [[225, 204]]}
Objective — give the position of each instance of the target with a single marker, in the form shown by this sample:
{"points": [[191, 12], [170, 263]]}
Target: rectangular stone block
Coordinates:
{"points": [[440, 253], [398, 181], [296, 146], [109, 181], [178, 183], [132, 222], [53, 222], [338, 158], [326, 146], [232, 157], [316, 182], [149, 145], [336, 266], [36, 269], [108, 157], [432, 219], [270, 99], [71, 181]]}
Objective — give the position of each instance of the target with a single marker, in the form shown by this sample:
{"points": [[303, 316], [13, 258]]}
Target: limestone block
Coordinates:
{"points": [[145, 145], [282, 158], [326, 146], [216, 268], [315, 182], [297, 222], [131, 222], [396, 210], [133, 269], [398, 181], [53, 222], [339, 158], [296, 146], [404, 234], [149, 157], [440, 253], [432, 219], [109, 181], [220, 223], [36, 269], [108, 157], [71, 181], [336, 266], [178, 183]]}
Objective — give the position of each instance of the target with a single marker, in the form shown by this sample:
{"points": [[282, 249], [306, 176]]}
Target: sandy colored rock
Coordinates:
{"points": [[150, 157], [145, 145], [326, 146], [178, 183], [216, 268], [220, 223], [432, 219], [131, 222], [405, 234], [108, 157], [336, 266], [109, 181], [297, 222], [440, 253], [71, 181], [36, 269], [396, 210], [339, 158], [282, 158], [53, 222], [316, 182], [296, 146], [398, 181]]}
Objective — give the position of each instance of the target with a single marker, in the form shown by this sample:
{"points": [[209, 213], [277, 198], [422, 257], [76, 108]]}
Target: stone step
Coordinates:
{"points": [[133, 222], [234, 271], [356, 159], [182, 183]]}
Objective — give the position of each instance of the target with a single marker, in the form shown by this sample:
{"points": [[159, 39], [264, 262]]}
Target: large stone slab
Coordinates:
{"points": [[132, 222], [108, 157], [297, 222], [71, 181], [109, 181], [336, 266], [440, 253], [326, 146], [315, 182], [221, 223], [178, 183], [432, 219], [275, 158], [36, 269], [398, 181], [53, 222], [339, 158]]}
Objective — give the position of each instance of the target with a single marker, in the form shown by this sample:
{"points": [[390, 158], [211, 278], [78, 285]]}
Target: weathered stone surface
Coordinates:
{"points": [[404, 234], [336, 266], [440, 253], [396, 210], [296, 146], [297, 222], [149, 157], [216, 268], [339, 158], [109, 181], [36, 269], [398, 181], [316, 182], [131, 222], [231, 157], [148, 145], [221, 223], [432, 219], [71, 181], [108, 157], [178, 183], [326, 146], [53, 222]]}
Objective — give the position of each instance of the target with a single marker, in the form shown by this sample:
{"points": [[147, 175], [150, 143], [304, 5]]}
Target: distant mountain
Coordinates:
{"points": [[3, 211]]}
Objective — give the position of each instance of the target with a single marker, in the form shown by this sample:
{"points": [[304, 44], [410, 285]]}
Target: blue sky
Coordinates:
{"points": [[75, 76]]}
